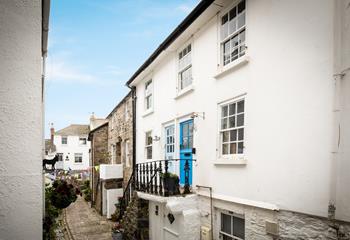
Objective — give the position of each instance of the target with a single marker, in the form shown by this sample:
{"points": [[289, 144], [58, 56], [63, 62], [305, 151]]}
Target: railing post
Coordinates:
{"points": [[136, 177], [151, 174], [166, 187], [147, 178], [144, 177], [160, 179], [187, 177], [155, 178]]}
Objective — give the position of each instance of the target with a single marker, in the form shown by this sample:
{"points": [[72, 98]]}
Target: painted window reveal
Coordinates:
{"points": [[232, 128], [148, 95], [233, 33], [232, 227], [78, 157], [148, 145], [185, 68], [64, 140], [82, 141]]}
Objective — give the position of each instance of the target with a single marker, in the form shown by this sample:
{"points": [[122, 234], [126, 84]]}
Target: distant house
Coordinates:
{"points": [[73, 145]]}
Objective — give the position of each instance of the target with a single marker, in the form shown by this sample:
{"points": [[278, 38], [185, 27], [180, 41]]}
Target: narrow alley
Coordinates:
{"points": [[85, 223]]}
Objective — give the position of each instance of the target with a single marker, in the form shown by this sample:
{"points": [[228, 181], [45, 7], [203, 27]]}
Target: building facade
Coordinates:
{"points": [[23, 48], [73, 146], [254, 96], [120, 135]]}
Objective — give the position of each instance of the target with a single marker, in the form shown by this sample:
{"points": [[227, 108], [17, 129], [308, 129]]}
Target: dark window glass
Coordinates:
{"points": [[241, 6]]}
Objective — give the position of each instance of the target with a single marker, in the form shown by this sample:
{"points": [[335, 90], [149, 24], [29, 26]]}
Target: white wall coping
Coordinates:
{"points": [[243, 201]]}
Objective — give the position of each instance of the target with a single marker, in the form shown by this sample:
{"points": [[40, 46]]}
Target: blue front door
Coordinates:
{"points": [[186, 145]]}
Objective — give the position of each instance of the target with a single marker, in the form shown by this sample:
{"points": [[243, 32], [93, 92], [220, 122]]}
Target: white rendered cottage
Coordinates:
{"points": [[255, 95], [73, 147]]}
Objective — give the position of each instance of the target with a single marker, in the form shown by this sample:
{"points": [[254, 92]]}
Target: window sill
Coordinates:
{"points": [[184, 91], [232, 66], [148, 112], [222, 161]]}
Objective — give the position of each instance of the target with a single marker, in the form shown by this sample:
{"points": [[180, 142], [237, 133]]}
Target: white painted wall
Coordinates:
{"points": [[112, 199], [342, 104], [70, 149], [21, 118], [289, 89]]}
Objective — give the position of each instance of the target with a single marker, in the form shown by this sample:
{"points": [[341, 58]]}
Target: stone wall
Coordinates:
{"points": [[291, 225], [120, 135], [100, 155]]}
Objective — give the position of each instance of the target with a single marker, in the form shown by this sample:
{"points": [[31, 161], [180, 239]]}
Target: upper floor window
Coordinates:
{"points": [[78, 157], [148, 95], [185, 68], [64, 140], [232, 128], [232, 227], [233, 33], [82, 141], [148, 145]]}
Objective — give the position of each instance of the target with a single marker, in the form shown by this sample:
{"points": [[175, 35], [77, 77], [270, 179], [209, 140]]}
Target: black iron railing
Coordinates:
{"points": [[150, 177], [127, 195]]}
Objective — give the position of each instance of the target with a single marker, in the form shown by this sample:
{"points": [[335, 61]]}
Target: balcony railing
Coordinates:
{"points": [[154, 177]]}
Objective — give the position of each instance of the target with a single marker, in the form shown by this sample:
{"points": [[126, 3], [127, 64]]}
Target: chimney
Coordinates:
{"points": [[52, 132]]}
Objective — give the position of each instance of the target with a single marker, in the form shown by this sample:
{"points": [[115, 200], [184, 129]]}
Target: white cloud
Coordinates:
{"points": [[59, 71], [185, 8]]}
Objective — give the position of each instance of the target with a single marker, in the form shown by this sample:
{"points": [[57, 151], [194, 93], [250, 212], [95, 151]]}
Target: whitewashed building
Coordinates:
{"points": [[23, 49], [255, 95], [73, 147]]}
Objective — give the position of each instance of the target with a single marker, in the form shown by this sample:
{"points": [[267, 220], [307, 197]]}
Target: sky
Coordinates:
{"points": [[94, 48]]}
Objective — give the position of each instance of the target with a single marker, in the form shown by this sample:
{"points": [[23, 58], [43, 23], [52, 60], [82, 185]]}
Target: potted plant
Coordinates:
{"points": [[117, 231], [171, 183]]}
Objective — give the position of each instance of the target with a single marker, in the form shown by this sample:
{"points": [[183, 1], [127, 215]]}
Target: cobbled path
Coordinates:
{"points": [[85, 223]]}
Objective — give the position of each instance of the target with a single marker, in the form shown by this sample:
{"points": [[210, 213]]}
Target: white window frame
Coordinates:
{"points": [[78, 155], [147, 146], [148, 94], [230, 36], [80, 139], [66, 137], [186, 66], [232, 215], [237, 156]]}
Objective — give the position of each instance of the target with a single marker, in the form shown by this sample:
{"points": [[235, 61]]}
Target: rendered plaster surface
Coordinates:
{"points": [[20, 120]]}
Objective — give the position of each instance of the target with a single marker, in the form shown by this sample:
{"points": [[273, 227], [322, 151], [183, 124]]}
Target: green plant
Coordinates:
{"points": [[169, 175], [87, 192], [62, 194]]}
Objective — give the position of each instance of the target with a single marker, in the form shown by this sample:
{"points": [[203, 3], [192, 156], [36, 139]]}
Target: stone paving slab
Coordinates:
{"points": [[85, 223]]}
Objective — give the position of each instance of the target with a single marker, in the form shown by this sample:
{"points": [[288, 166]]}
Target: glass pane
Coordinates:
{"points": [[226, 223], [190, 128], [185, 142], [227, 47], [232, 122], [241, 20], [233, 135], [225, 149], [224, 111], [242, 37], [190, 142], [225, 136], [232, 26], [232, 109], [224, 19], [234, 54], [238, 227], [224, 30], [234, 41], [233, 13], [240, 147], [185, 130], [240, 106], [240, 120], [233, 148], [240, 134], [241, 6], [224, 123]]}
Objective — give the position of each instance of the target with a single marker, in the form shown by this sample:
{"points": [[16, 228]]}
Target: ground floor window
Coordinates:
{"points": [[232, 227], [78, 157]]}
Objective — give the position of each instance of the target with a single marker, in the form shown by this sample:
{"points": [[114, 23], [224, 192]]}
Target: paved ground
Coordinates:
{"points": [[85, 223]]}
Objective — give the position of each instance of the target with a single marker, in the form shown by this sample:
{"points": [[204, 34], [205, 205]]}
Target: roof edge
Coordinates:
{"points": [[120, 102], [196, 12]]}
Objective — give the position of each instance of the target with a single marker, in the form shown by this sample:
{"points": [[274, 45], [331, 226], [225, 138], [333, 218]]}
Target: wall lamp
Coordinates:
{"points": [[156, 138], [198, 114]]}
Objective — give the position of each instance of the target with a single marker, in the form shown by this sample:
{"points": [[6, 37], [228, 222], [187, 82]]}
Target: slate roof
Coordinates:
{"points": [[74, 130]]}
